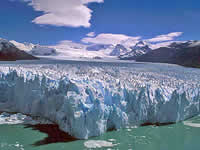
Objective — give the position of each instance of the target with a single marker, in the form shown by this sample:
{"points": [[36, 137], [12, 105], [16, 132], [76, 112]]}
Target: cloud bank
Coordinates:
{"points": [[165, 37], [108, 38]]}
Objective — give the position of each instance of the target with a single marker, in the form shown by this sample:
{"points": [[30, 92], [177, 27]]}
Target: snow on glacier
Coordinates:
{"points": [[88, 98]]}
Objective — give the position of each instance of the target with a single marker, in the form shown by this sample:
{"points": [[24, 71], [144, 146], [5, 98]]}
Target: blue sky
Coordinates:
{"points": [[144, 18]]}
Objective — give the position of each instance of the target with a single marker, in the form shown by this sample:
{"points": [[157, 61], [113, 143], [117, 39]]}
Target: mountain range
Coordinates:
{"points": [[185, 53], [182, 53], [69, 49], [139, 49]]}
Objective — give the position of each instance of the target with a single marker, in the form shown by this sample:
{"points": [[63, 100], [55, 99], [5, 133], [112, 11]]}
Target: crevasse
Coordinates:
{"points": [[87, 100]]}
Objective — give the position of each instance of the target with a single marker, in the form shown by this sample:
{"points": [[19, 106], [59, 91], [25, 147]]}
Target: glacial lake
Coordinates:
{"points": [[180, 136]]}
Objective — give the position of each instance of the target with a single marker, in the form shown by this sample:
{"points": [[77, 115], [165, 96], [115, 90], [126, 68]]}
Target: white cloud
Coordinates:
{"points": [[108, 38], [127, 41], [74, 13], [70, 44], [130, 42], [165, 37], [91, 34], [162, 44]]}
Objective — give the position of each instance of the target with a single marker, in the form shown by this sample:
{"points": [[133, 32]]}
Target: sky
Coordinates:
{"points": [[48, 22]]}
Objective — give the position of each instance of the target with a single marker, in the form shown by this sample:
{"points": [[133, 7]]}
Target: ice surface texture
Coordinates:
{"points": [[86, 99]]}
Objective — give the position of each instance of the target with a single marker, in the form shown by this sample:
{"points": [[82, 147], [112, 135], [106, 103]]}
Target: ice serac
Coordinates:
{"points": [[87, 99]]}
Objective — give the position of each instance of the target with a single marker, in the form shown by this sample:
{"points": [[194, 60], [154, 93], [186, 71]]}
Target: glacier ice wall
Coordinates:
{"points": [[86, 100]]}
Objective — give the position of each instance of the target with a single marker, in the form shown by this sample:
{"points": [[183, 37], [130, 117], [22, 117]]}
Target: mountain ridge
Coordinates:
{"points": [[9, 52], [185, 54]]}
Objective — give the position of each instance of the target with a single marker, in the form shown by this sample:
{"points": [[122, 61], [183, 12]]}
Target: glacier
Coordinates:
{"points": [[87, 99]]}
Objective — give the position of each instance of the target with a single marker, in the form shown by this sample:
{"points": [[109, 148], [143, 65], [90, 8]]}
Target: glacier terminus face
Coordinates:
{"points": [[89, 98]]}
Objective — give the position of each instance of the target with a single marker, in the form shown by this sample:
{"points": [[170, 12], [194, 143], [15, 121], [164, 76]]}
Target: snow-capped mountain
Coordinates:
{"points": [[5, 44], [42, 51], [181, 53], [36, 50], [63, 50], [69, 49], [119, 50], [9, 52], [98, 47], [139, 49], [141, 45], [123, 50], [23, 46]]}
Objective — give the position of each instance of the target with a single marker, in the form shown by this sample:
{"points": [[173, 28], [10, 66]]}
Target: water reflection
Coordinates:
{"points": [[55, 135]]}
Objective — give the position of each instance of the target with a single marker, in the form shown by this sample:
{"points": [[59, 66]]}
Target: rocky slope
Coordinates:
{"points": [[9, 52], [186, 54], [118, 50]]}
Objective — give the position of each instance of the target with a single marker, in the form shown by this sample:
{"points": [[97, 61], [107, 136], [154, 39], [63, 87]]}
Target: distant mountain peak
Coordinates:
{"points": [[118, 50], [141, 45], [5, 44], [139, 49]]}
